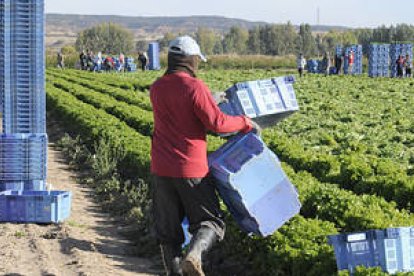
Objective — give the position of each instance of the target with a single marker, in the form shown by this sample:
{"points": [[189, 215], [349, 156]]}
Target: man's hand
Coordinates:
{"points": [[256, 128], [220, 97]]}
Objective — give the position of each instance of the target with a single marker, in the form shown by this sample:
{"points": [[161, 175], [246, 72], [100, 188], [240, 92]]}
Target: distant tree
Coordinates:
{"points": [[235, 41], [141, 46], [364, 37], [306, 42], [68, 50], [107, 37], [165, 41], [218, 46], [253, 43], [207, 40], [404, 32]]}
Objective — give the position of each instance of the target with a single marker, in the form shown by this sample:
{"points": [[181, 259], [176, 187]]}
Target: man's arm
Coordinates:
{"points": [[212, 117]]}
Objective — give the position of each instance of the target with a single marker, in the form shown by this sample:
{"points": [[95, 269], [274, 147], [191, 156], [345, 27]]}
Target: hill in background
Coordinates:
{"points": [[63, 28]]}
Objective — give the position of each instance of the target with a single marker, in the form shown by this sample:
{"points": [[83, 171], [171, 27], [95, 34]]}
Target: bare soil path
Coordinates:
{"points": [[88, 243]]}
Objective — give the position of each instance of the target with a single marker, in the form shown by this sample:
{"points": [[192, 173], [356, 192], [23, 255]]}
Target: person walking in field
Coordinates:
{"points": [[400, 66], [121, 62], [301, 63], [326, 63], [143, 59], [407, 66], [184, 111], [338, 63], [351, 60], [60, 60]]}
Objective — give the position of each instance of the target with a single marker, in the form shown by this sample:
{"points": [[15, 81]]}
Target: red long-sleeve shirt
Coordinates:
{"points": [[184, 110]]}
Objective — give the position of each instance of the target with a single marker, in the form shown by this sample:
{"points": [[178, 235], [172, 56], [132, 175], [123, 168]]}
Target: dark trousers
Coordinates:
{"points": [[175, 198]]}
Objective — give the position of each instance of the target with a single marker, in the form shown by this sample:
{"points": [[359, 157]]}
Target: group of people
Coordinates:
{"points": [[327, 63], [88, 61], [404, 66]]}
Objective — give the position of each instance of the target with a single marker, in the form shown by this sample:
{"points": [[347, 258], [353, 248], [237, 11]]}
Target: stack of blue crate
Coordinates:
{"points": [[358, 55], [313, 66], [339, 50], [396, 50], [265, 101], [379, 60], [154, 56], [130, 64], [23, 142], [391, 249]]}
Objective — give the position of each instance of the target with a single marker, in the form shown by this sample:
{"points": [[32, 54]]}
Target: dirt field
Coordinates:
{"points": [[88, 243]]}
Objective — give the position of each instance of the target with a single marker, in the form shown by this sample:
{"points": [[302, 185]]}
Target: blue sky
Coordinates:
{"points": [[354, 13]]}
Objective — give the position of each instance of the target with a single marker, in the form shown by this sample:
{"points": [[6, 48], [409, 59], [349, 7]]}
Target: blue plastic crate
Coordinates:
{"points": [[391, 249], [356, 249], [396, 249], [35, 206], [266, 101], [154, 56], [253, 186], [28, 185]]}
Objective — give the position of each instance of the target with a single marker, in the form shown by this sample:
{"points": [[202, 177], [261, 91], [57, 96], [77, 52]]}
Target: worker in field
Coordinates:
{"points": [[351, 60], [400, 66], [121, 62], [407, 66], [301, 63], [143, 59], [326, 63], [184, 111], [60, 60], [338, 63], [83, 60]]}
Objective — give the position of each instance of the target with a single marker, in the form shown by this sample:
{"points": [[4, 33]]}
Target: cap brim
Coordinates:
{"points": [[203, 58]]}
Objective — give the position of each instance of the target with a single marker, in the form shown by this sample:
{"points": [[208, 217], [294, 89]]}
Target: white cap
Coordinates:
{"points": [[185, 45]]}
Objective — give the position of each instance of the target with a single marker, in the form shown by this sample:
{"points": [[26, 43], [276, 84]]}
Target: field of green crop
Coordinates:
{"points": [[349, 151]]}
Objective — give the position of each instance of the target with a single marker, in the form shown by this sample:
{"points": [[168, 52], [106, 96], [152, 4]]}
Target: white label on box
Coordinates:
{"points": [[357, 237], [246, 103]]}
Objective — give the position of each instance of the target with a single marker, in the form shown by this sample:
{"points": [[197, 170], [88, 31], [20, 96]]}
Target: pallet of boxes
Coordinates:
{"points": [[23, 138]]}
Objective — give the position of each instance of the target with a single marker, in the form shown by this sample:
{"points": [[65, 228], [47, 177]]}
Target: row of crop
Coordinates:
{"points": [[366, 117], [348, 211], [295, 239], [135, 82], [138, 99], [327, 201], [132, 115], [142, 122], [354, 171]]}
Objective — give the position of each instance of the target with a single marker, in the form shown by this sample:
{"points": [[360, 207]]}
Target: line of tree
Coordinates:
{"points": [[285, 39], [272, 39]]}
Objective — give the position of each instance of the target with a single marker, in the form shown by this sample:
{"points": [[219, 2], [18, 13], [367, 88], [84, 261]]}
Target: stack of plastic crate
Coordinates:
{"points": [[339, 50], [23, 142], [154, 56], [391, 249], [358, 55], [313, 66], [396, 50], [130, 64], [378, 62]]}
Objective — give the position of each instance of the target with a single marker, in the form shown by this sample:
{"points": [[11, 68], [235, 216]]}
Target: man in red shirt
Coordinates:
{"points": [[184, 111]]}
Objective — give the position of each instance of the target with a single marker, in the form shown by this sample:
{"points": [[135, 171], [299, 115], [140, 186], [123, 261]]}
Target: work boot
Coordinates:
{"points": [[202, 242], [171, 257]]}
